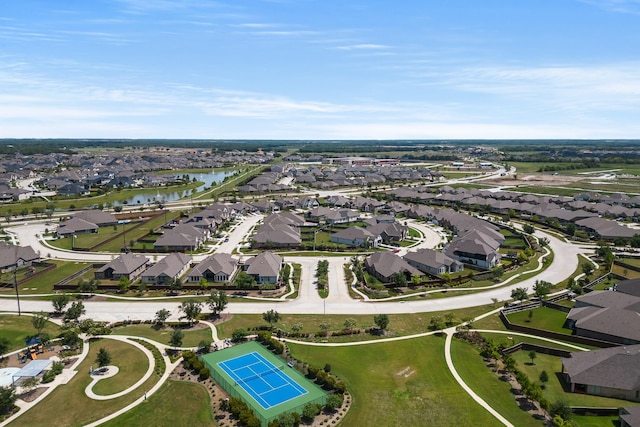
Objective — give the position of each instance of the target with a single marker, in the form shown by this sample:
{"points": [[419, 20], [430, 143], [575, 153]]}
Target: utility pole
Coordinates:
{"points": [[15, 285]]}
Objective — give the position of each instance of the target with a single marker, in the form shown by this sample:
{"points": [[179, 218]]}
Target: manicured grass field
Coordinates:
{"points": [[176, 403], [192, 337], [17, 328], [88, 240], [556, 388], [487, 385], [132, 364], [399, 324], [68, 405], [44, 284], [402, 383], [543, 318]]}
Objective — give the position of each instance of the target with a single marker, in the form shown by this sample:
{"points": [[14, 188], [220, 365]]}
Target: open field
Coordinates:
{"points": [[176, 403], [399, 324], [391, 386], [542, 318], [132, 364]]}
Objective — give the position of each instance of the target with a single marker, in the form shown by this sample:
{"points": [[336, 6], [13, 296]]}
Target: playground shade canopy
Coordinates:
{"points": [[33, 369]]}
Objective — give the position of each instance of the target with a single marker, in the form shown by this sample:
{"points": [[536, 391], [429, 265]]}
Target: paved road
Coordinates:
{"points": [[564, 264]]}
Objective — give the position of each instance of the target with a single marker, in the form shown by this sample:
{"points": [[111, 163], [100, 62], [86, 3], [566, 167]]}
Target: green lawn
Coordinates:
{"points": [[88, 240], [176, 403], [399, 324], [138, 233], [132, 364], [68, 405], [17, 328], [543, 318], [191, 337], [487, 385], [403, 383], [44, 284], [556, 388]]}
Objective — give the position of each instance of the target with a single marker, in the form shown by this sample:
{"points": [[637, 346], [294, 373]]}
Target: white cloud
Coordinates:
{"points": [[363, 46]]}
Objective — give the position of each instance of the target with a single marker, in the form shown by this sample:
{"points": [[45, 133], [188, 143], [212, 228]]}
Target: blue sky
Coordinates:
{"points": [[325, 69]]}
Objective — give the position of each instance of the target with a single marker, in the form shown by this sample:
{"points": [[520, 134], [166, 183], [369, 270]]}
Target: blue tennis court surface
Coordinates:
{"points": [[262, 380]]}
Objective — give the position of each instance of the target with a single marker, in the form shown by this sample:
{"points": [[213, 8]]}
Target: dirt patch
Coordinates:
{"points": [[541, 179], [406, 372], [32, 395]]}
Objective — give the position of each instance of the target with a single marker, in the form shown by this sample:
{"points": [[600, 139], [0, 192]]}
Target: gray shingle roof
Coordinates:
{"points": [[615, 367]]}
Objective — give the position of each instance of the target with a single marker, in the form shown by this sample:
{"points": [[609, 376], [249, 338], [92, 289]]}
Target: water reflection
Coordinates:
{"points": [[208, 179]]}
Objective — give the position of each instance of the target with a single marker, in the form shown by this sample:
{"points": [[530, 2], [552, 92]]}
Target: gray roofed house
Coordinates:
{"points": [[13, 257], [264, 267], [184, 237], [384, 265], [629, 287], [608, 316], [629, 416], [76, 226], [356, 237], [99, 218], [167, 269], [476, 248], [217, 268], [607, 229], [433, 262], [129, 265], [611, 372], [277, 236]]}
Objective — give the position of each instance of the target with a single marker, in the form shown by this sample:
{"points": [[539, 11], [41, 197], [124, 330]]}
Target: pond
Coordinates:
{"points": [[208, 179]]}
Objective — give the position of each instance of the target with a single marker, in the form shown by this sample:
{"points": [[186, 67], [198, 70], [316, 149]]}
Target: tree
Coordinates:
{"points": [[532, 356], [88, 286], [544, 378], [381, 321], [497, 271], [161, 317], [30, 383], [103, 358], [217, 301], [59, 302], [123, 284], [449, 319], [271, 317], [324, 327], [191, 309], [436, 323], [528, 228], [4, 345], [7, 399], [399, 279], [239, 335], [530, 316], [562, 409], [245, 281], [587, 268], [39, 321], [350, 323], [75, 311], [310, 411], [541, 289], [204, 284], [175, 284], [175, 340], [522, 257], [334, 401], [519, 294], [571, 229], [296, 328]]}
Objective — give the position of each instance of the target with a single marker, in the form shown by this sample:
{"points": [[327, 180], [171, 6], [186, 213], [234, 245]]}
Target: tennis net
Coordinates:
{"points": [[261, 374]]}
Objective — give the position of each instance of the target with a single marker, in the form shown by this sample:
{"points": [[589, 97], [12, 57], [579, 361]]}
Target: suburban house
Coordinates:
{"points": [[433, 262], [629, 416], [127, 265], [629, 287], [264, 267], [610, 372], [384, 265], [387, 228], [217, 268], [279, 230], [15, 257], [474, 247], [76, 226], [184, 237], [356, 237], [167, 269], [606, 229], [608, 316], [97, 217]]}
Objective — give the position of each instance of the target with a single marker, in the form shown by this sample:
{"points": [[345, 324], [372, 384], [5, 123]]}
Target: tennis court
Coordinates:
{"points": [[263, 381]]}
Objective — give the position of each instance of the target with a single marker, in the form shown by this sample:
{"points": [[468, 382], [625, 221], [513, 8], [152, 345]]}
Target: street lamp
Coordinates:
{"points": [[15, 285]]}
